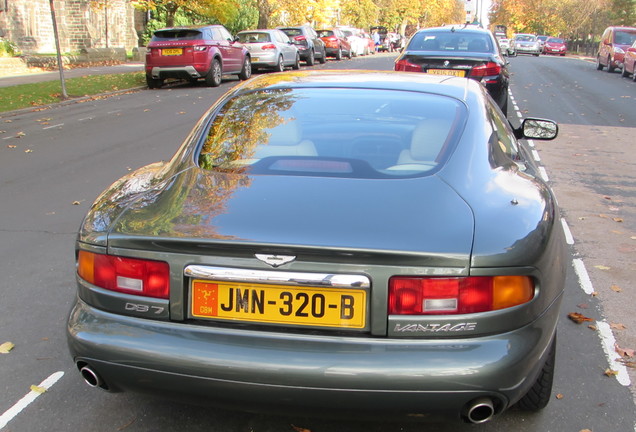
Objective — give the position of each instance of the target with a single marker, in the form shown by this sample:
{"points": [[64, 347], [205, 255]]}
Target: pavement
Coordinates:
{"points": [[32, 77]]}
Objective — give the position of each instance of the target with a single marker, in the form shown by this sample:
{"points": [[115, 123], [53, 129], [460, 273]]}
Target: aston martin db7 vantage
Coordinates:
{"points": [[365, 242]]}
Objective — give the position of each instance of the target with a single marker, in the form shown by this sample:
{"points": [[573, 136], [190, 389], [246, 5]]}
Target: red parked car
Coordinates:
{"points": [[336, 44], [611, 50], [629, 62], [191, 53], [555, 46]]}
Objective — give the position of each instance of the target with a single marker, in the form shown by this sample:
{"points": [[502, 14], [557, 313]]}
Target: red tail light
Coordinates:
{"points": [[300, 38], [406, 66], [126, 275], [450, 296], [488, 69], [200, 48], [332, 39], [268, 47]]}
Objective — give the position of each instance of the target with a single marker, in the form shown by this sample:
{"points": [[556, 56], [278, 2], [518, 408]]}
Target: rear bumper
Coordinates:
{"points": [[190, 71], [265, 370]]}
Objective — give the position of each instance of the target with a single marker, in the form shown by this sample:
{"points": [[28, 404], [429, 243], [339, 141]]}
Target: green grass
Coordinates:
{"points": [[48, 92]]}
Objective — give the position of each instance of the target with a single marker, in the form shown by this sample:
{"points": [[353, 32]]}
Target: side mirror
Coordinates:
{"points": [[535, 128]]}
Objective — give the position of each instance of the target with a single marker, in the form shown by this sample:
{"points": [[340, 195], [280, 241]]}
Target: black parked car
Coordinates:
{"points": [[463, 51], [310, 46]]}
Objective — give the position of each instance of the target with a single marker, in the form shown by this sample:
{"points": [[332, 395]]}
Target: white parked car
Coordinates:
{"points": [[527, 44], [359, 45], [270, 49]]}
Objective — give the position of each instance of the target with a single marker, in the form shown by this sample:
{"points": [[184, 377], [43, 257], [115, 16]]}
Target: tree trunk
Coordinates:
{"points": [[171, 10], [263, 14]]}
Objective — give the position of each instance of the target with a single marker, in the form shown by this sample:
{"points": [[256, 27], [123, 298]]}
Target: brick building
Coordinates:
{"points": [[28, 24]]}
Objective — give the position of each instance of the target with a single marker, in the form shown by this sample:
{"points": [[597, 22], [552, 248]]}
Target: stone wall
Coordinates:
{"points": [[29, 25]]}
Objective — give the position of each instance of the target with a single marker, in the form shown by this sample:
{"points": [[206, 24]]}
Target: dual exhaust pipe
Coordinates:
{"points": [[480, 410]]}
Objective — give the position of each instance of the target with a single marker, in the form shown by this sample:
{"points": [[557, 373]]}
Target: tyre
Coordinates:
{"points": [[339, 54], [311, 60], [323, 58], [610, 68], [634, 73], [246, 71], [539, 394], [349, 54], [153, 83], [280, 66], [213, 78], [296, 65], [624, 72], [599, 65]]}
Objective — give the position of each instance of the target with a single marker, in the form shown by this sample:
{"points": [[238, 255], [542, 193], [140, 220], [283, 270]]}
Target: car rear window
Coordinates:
{"points": [[451, 41], [333, 132], [555, 40], [166, 35], [256, 37], [325, 33], [292, 32]]}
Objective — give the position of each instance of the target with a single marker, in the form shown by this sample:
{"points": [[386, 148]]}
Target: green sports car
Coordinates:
{"points": [[366, 242]]}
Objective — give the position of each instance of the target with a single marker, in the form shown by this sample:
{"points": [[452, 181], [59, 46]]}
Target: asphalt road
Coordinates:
{"points": [[53, 164]]}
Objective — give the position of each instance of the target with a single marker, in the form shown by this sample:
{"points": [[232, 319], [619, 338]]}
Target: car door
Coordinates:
{"points": [[288, 50]]}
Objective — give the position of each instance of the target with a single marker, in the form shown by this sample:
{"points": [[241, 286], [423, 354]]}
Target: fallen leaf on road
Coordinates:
{"points": [[602, 267], [11, 146], [578, 318], [592, 327], [583, 306], [6, 347], [616, 288], [559, 396], [618, 326], [617, 219], [628, 363], [624, 352], [20, 134], [37, 389], [28, 151], [610, 372], [77, 202]]}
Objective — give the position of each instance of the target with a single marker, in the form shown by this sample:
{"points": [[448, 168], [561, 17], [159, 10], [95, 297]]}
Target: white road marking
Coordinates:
{"points": [[569, 239], [584, 279], [544, 174], [8, 415], [609, 342], [54, 126]]}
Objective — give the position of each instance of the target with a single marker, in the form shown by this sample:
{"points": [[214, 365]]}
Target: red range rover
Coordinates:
{"points": [[191, 53]]}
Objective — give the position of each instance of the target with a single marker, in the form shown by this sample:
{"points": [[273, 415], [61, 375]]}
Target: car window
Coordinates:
{"points": [[292, 32], [217, 35], [254, 37], [624, 38], [502, 139], [166, 35], [225, 35], [325, 33], [333, 133], [555, 40], [451, 41]]}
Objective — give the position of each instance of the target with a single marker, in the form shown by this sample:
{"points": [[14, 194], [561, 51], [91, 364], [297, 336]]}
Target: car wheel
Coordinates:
{"points": [[536, 54], [539, 394], [610, 68], [311, 60], [153, 83], [624, 72], [634, 73], [349, 54], [339, 54], [280, 66], [246, 72], [213, 78], [296, 65], [323, 58], [599, 65]]}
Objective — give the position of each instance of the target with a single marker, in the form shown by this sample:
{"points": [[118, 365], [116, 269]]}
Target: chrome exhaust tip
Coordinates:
{"points": [[91, 377], [480, 410]]}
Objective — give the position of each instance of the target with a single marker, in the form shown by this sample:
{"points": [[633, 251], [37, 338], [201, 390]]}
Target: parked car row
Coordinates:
{"points": [[208, 52], [617, 50]]}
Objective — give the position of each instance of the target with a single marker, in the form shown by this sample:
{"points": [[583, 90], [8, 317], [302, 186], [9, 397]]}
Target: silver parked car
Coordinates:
{"points": [[527, 44], [379, 243], [270, 49]]}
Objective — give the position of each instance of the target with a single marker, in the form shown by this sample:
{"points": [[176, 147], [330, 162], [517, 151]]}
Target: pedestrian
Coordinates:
{"points": [[376, 40]]}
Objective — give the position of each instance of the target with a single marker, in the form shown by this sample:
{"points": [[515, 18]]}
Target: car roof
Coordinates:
{"points": [[456, 28]]}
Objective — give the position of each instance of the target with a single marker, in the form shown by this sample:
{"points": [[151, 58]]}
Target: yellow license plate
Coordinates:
{"points": [[172, 51], [254, 59], [280, 304], [452, 72]]}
